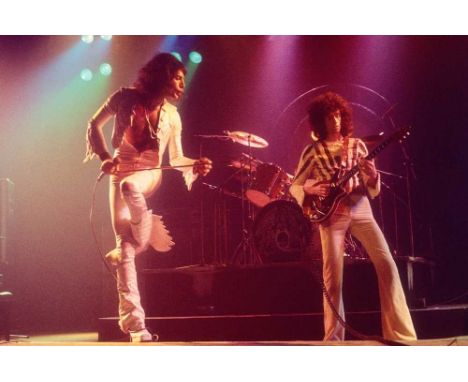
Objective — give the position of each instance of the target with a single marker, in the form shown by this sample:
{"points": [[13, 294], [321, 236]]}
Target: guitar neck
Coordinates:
{"points": [[376, 151]]}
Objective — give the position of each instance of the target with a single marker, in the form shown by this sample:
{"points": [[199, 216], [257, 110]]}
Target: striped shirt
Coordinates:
{"points": [[321, 160]]}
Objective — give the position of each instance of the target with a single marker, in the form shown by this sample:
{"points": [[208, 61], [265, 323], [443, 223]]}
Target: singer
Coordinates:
{"points": [[145, 123]]}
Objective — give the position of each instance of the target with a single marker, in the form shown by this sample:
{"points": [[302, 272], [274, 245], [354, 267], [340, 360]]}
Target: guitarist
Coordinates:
{"points": [[335, 151]]}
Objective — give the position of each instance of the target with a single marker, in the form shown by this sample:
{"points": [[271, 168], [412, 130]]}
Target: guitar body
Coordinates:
{"points": [[318, 209]]}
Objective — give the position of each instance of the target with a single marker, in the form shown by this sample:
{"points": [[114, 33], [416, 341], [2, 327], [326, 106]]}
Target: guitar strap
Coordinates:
{"points": [[344, 153], [329, 162], [346, 163]]}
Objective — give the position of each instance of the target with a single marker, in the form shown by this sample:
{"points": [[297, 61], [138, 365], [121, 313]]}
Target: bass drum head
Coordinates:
{"points": [[281, 232]]}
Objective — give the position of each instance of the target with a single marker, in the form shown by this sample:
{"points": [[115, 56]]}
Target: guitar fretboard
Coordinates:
{"points": [[376, 151]]}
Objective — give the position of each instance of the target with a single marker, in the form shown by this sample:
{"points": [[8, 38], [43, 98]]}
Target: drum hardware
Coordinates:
{"points": [[245, 162], [213, 136], [269, 183], [395, 199], [223, 191], [246, 139], [353, 249], [244, 253], [220, 223], [261, 185], [241, 137], [250, 141], [202, 208], [281, 232], [245, 166]]}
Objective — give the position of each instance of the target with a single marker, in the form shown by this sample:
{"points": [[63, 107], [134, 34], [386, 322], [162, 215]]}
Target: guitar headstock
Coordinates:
{"points": [[401, 134]]}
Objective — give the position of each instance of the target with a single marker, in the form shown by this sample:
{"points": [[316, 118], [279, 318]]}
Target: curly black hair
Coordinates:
{"points": [[325, 104], [156, 74]]}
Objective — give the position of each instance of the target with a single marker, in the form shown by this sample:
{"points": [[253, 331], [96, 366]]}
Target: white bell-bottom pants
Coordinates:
{"points": [[354, 213], [127, 193]]}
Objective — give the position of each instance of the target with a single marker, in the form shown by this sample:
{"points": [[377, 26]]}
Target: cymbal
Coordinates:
{"points": [[247, 139], [372, 139]]}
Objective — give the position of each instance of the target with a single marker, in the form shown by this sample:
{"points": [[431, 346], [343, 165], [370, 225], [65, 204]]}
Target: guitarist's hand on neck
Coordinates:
{"points": [[368, 168]]}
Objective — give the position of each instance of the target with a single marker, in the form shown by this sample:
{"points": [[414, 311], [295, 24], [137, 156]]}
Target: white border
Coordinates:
{"points": [[233, 17]]}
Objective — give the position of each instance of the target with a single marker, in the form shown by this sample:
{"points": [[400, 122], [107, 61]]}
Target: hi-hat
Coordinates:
{"points": [[247, 139]]}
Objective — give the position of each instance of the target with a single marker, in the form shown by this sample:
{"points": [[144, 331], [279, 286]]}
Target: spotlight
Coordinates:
{"points": [[105, 69], [106, 37], [86, 75], [177, 55], [88, 39], [195, 57]]}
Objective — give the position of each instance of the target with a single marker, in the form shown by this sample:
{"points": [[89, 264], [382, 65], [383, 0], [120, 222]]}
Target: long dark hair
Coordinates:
{"points": [[325, 104], [156, 74]]}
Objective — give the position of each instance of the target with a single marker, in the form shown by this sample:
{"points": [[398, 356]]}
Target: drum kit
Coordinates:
{"points": [[274, 228]]}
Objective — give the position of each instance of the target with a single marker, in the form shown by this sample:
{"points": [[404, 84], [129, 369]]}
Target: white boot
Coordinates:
{"points": [[160, 238], [143, 335], [114, 257], [141, 231]]}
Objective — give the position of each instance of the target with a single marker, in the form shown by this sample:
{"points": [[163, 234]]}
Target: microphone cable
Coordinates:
{"points": [[348, 327], [93, 228]]}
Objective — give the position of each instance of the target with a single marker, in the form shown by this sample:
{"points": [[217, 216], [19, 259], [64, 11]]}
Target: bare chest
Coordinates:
{"points": [[143, 127]]}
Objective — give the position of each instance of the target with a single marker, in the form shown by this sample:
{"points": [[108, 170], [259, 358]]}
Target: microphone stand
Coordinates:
{"points": [[202, 219], [409, 172], [395, 217]]}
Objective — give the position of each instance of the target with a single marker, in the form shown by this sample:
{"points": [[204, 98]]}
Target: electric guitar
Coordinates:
{"points": [[318, 208]]}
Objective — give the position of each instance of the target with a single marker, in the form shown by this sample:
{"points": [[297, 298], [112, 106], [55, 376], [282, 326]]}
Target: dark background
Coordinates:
{"points": [[259, 84]]}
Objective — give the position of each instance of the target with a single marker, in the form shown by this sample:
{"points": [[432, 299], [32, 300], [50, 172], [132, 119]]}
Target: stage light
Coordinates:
{"points": [[86, 75], [105, 69], [177, 55], [88, 39], [106, 37], [195, 57]]}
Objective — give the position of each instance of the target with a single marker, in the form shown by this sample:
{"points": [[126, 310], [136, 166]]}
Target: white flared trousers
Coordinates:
{"points": [[355, 214], [127, 193]]}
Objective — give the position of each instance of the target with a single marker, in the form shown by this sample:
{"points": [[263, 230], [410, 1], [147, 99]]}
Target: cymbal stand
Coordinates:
{"points": [[244, 249], [202, 208], [220, 220], [202, 218], [395, 197], [408, 203], [409, 171]]}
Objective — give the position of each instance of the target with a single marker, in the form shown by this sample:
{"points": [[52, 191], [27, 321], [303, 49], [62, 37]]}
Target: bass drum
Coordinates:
{"points": [[282, 233]]}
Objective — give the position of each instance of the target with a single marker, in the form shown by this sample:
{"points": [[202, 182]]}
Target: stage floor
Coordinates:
{"points": [[91, 339]]}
